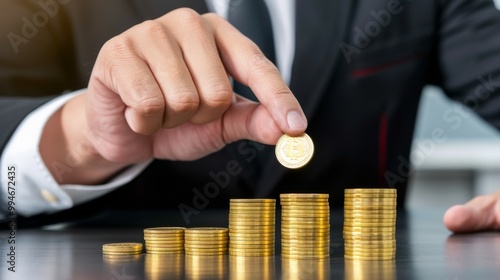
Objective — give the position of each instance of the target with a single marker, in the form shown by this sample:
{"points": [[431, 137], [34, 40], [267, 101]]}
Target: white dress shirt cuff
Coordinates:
{"points": [[37, 191]]}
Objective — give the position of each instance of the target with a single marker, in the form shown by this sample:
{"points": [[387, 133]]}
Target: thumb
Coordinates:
{"points": [[479, 214], [246, 119]]}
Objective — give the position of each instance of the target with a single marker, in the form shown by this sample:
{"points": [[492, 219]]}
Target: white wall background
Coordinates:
{"points": [[465, 165]]}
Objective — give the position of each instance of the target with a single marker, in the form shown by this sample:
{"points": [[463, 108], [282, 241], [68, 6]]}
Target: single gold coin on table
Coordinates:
{"points": [[294, 152]]}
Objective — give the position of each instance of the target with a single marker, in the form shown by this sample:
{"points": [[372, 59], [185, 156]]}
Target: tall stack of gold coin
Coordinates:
{"points": [[305, 226], [252, 227], [164, 240], [206, 241], [370, 224]]}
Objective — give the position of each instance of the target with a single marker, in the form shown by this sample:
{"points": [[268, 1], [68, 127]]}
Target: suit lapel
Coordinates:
{"points": [[319, 28]]}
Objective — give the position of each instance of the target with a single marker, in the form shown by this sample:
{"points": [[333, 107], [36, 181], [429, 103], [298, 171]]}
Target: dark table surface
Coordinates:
{"points": [[425, 250]]}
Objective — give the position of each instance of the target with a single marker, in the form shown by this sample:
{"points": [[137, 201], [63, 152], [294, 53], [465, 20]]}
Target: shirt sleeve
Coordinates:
{"points": [[36, 191]]}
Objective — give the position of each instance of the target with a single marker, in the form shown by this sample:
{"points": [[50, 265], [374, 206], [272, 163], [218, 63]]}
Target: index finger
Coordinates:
{"points": [[247, 64]]}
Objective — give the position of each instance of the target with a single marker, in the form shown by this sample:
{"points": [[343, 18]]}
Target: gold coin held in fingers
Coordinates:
{"points": [[294, 152]]}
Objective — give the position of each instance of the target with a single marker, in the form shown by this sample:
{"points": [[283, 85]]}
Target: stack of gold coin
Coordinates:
{"points": [[124, 248], [252, 227], [206, 241], [164, 240], [370, 224], [305, 226]]}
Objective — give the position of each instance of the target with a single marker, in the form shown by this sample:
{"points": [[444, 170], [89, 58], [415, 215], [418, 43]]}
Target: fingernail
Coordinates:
{"points": [[296, 121]]}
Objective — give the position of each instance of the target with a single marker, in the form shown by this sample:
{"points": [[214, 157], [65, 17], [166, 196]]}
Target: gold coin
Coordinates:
{"points": [[300, 230], [368, 236], [376, 254], [202, 238], [368, 216], [222, 249], [349, 224], [251, 240], [370, 220], [165, 253], [252, 200], [305, 250], [122, 247], [361, 258], [163, 247], [251, 209], [164, 230], [251, 205], [305, 202], [304, 256], [369, 229], [205, 230], [301, 257], [294, 152], [250, 254], [285, 206], [354, 245], [252, 215], [253, 229], [382, 242], [252, 246], [373, 251], [305, 236], [303, 242], [237, 220], [155, 249], [370, 196], [373, 205], [310, 226], [320, 219], [370, 190], [235, 232], [205, 253], [206, 245], [257, 230], [252, 250], [305, 213], [304, 195], [369, 207], [370, 199]]}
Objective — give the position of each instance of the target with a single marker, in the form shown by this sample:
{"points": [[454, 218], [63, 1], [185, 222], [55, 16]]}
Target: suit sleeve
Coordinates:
{"points": [[35, 59], [468, 57], [13, 111]]}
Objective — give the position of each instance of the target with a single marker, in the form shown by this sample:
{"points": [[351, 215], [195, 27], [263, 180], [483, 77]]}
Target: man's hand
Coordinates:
{"points": [[479, 214], [162, 90]]}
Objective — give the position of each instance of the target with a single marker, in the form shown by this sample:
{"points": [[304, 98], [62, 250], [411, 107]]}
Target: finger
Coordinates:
{"points": [[246, 119], [161, 51], [203, 61], [480, 213], [247, 64], [120, 69]]}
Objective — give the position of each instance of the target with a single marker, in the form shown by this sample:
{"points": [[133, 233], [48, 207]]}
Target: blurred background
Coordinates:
{"points": [[463, 162]]}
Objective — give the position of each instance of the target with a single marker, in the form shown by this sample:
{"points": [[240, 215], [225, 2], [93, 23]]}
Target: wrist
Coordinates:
{"points": [[67, 151]]}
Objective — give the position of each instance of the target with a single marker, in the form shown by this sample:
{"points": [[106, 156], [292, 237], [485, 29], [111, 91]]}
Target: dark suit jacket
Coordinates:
{"points": [[358, 71]]}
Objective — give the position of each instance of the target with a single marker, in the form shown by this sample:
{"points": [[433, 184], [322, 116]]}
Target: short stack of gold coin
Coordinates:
{"points": [[120, 249], [252, 227], [370, 224], [206, 241], [305, 226], [164, 240]]}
